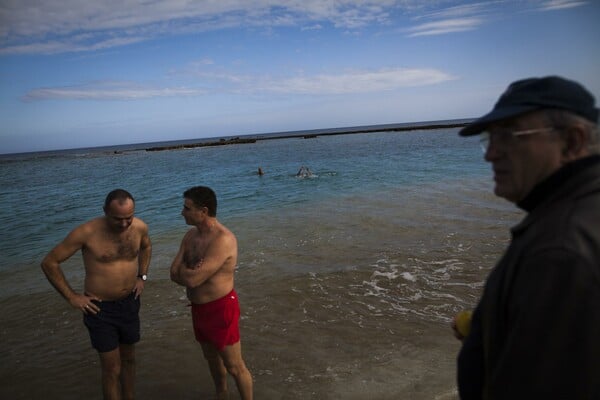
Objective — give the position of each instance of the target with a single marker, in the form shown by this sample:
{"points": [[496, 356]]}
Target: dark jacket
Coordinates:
{"points": [[536, 330]]}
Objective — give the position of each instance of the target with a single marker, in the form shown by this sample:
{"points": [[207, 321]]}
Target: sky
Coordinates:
{"points": [[86, 73]]}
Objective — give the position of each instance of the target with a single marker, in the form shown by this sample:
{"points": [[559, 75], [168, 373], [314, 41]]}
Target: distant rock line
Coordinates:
{"points": [[306, 135], [221, 142], [349, 131]]}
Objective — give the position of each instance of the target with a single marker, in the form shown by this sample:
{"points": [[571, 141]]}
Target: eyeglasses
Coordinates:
{"points": [[503, 138]]}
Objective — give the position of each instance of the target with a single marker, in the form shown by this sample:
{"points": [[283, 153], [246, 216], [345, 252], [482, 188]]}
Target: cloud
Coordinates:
{"points": [[107, 91], [56, 46], [461, 11], [356, 82], [54, 26], [343, 83], [560, 4], [445, 26], [59, 26], [315, 27], [466, 17]]}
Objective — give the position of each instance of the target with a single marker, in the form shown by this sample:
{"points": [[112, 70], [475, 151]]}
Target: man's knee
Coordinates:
{"points": [[111, 366], [212, 358], [237, 368], [127, 355], [112, 361]]}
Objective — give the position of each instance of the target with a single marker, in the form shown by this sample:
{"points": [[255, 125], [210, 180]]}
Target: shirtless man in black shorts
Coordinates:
{"points": [[116, 254]]}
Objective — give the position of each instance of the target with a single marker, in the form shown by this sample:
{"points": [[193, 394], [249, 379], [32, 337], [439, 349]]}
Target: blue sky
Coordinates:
{"points": [[76, 73]]}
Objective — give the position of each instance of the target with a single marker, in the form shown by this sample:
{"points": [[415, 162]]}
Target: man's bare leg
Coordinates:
{"points": [[232, 358], [110, 362], [127, 371], [217, 370]]}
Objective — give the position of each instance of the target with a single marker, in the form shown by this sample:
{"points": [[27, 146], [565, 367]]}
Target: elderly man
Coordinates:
{"points": [[535, 333]]}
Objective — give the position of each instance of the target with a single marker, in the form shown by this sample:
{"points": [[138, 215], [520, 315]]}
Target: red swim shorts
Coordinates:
{"points": [[217, 322]]}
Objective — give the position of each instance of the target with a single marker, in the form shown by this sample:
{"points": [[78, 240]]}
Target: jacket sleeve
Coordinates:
{"points": [[470, 361], [552, 315]]}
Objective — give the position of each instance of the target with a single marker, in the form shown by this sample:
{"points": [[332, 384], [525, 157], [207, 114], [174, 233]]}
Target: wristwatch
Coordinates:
{"points": [[143, 276]]}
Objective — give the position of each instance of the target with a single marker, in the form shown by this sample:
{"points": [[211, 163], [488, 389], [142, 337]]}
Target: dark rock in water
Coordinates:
{"points": [[221, 142]]}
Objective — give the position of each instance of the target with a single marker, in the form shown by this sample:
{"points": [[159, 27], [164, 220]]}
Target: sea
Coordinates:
{"points": [[348, 279]]}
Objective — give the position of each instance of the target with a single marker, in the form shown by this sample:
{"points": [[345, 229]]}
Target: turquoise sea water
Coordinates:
{"points": [[347, 279], [44, 196]]}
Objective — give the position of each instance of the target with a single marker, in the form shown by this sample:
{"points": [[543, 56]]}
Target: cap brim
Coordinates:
{"points": [[479, 125]]}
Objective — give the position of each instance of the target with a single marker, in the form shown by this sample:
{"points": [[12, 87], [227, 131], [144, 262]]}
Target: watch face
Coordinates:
{"points": [[144, 277]]}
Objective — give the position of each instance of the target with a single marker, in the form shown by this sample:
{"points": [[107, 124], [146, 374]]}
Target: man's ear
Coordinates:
{"points": [[576, 142]]}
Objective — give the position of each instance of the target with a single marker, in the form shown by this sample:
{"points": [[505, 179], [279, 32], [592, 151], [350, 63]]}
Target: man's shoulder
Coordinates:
{"points": [[190, 235], [139, 224], [570, 225], [91, 226], [85, 231], [192, 231], [226, 234]]}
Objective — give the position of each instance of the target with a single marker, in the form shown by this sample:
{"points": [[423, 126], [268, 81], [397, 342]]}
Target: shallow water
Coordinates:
{"points": [[347, 281]]}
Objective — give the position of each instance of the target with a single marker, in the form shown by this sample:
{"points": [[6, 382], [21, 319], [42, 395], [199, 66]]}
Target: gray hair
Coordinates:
{"points": [[565, 119]]}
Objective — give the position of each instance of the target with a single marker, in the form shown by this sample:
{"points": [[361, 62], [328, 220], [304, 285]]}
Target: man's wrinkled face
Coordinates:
{"points": [[520, 162]]}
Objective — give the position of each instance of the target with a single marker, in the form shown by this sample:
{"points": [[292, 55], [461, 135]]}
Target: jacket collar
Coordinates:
{"points": [[573, 179]]}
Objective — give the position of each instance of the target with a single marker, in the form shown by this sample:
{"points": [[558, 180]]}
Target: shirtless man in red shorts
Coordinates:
{"points": [[205, 265]]}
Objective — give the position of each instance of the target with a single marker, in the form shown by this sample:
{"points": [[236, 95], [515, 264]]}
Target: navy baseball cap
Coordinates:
{"points": [[535, 94]]}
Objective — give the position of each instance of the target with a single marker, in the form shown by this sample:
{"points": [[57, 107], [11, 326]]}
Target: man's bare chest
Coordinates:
{"points": [[195, 250], [109, 249]]}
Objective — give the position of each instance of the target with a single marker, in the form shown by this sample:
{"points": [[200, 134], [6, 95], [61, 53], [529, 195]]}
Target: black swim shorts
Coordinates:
{"points": [[118, 322]]}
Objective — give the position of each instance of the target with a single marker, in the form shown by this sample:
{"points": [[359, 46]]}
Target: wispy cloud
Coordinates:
{"points": [[59, 26], [343, 82], [69, 45], [312, 28], [460, 11], [108, 91], [332, 84], [561, 4], [54, 26], [356, 82], [467, 17], [445, 26]]}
